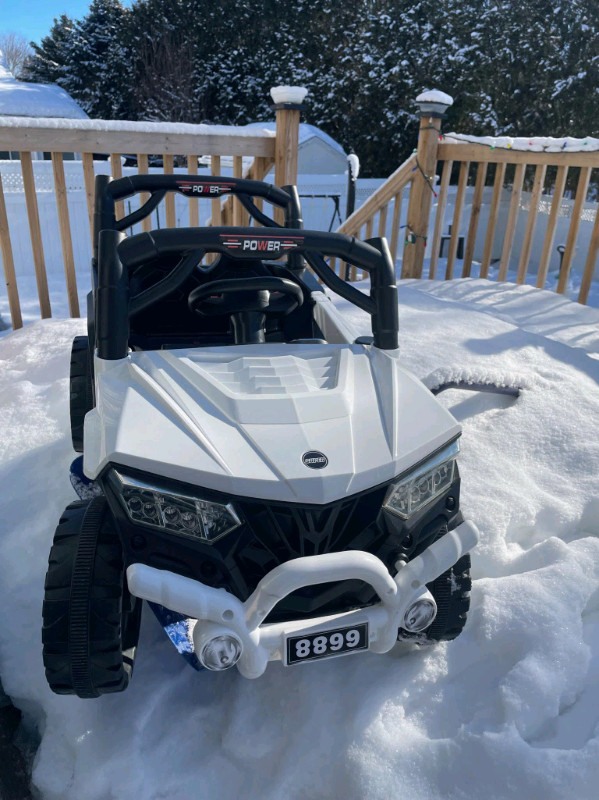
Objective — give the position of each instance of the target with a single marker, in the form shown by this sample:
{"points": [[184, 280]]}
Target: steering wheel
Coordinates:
{"points": [[248, 294], [247, 301]]}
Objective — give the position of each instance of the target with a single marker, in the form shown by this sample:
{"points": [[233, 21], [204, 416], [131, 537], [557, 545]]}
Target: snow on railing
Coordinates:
{"points": [[134, 126], [531, 144]]}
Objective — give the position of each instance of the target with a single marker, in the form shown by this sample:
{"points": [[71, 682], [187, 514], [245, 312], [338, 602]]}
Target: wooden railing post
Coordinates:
{"points": [[9, 265], [432, 106], [288, 105]]}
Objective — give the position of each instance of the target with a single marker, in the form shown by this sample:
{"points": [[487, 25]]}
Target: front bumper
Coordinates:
{"points": [[216, 608]]}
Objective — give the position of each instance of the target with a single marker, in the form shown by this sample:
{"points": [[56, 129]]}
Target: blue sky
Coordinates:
{"points": [[33, 18]]}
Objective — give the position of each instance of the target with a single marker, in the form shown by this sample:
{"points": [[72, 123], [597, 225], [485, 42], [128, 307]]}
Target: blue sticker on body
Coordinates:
{"points": [[178, 629]]}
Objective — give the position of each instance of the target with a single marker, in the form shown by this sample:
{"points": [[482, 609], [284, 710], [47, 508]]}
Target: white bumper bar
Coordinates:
{"points": [[264, 643]]}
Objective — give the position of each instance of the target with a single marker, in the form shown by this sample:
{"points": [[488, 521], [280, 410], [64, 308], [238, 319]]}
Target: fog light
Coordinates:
{"points": [[420, 615], [221, 652]]}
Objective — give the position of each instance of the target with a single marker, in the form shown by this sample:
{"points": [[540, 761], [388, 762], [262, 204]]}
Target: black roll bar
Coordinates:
{"points": [[109, 191], [112, 299], [272, 243], [116, 256]]}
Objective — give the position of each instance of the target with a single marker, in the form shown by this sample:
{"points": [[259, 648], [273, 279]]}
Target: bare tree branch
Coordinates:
{"points": [[15, 50]]}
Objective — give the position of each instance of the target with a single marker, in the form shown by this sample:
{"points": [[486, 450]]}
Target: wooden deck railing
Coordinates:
{"points": [[573, 168], [88, 137], [483, 179], [384, 205], [485, 172]]}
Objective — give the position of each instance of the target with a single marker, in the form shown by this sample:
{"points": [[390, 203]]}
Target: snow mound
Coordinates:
{"points": [[473, 376], [509, 710]]}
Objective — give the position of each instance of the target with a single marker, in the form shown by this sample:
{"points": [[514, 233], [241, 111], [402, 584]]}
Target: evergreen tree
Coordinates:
{"points": [[50, 62], [162, 36], [101, 75], [363, 62]]}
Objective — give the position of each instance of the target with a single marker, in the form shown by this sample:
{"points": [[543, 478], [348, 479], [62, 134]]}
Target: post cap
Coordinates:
{"points": [[288, 94], [434, 103]]}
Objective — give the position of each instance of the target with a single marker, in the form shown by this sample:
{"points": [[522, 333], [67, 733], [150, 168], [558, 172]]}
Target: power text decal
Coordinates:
{"points": [[254, 243], [214, 189]]}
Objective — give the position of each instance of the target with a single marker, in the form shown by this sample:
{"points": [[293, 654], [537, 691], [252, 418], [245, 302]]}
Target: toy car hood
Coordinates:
{"points": [[309, 425]]}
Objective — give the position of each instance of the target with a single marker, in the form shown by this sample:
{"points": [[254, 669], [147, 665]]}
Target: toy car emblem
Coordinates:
{"points": [[314, 459]]}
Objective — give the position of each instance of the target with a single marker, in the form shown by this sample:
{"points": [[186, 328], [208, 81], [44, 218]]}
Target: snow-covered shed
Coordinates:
{"points": [[318, 153], [21, 99]]}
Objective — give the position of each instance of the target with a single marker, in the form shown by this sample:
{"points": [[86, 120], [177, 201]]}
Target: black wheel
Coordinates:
{"points": [[81, 388], [451, 591], [90, 621]]}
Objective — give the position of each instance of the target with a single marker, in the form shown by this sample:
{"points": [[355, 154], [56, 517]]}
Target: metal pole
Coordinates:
{"points": [[353, 170]]}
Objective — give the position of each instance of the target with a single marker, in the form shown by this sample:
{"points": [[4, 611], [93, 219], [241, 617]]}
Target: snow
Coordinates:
{"points": [[435, 96], [471, 377], [544, 312], [288, 94], [533, 144], [354, 165], [121, 126], [509, 710], [34, 99]]}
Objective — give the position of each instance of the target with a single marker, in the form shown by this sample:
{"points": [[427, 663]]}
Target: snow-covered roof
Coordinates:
{"points": [[306, 132], [534, 144], [21, 99]]}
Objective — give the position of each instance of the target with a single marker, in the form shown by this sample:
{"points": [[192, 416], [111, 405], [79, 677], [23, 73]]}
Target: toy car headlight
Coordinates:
{"points": [[419, 487], [177, 513]]}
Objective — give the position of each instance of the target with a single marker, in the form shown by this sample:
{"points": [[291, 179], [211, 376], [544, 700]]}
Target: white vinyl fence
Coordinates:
{"points": [[587, 220]]}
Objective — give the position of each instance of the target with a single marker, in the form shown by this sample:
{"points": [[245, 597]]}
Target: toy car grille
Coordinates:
{"points": [[280, 532]]}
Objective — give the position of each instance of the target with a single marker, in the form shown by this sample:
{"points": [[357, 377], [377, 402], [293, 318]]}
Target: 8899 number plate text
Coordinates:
{"points": [[326, 644]]}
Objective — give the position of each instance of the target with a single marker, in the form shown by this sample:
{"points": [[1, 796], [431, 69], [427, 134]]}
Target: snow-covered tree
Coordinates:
{"points": [[102, 78], [527, 67], [161, 48], [50, 62]]}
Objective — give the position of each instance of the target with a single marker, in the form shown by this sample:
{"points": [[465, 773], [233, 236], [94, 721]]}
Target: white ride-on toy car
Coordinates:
{"points": [[276, 489]]}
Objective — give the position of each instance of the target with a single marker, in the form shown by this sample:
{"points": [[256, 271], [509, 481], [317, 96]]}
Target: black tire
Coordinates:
{"points": [[90, 621], [81, 389], [451, 591]]}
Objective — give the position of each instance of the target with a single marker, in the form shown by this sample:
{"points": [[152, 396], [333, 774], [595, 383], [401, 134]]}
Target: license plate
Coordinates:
{"points": [[326, 644]]}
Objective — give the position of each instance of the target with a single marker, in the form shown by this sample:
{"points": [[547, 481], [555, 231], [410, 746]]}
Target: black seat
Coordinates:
{"points": [[170, 324]]}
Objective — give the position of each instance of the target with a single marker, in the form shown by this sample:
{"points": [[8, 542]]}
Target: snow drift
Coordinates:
{"points": [[508, 710]]}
